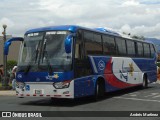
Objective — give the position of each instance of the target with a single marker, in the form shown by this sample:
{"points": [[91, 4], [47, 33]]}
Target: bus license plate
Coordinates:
{"points": [[38, 92]]}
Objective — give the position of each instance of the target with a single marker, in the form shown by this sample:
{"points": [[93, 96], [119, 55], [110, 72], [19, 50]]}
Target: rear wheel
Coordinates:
{"points": [[145, 82]]}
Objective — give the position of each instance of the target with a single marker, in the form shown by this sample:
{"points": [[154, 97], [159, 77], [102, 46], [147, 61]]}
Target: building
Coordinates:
{"points": [[13, 50]]}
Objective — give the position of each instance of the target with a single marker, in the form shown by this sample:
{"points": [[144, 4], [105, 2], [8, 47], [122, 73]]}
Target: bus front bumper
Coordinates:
{"points": [[41, 89]]}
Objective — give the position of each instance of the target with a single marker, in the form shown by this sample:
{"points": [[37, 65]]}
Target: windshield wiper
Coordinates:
{"points": [[50, 71], [45, 54], [34, 56], [30, 63]]}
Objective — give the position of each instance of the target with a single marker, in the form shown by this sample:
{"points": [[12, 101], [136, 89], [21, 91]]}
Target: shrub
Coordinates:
{"points": [[11, 64]]}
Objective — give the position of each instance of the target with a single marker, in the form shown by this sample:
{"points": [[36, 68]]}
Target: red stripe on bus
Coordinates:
{"points": [[112, 79]]}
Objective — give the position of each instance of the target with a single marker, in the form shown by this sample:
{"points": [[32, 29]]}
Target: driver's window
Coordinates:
{"points": [[77, 51], [79, 46]]}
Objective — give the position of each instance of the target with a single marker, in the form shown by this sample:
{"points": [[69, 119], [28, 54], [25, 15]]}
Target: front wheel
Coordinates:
{"points": [[99, 90]]}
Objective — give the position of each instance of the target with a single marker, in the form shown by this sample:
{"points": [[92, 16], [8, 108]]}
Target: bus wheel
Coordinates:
{"points": [[145, 82], [100, 89]]}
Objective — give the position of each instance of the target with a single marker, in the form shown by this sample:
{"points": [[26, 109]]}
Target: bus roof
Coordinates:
{"points": [[72, 28]]}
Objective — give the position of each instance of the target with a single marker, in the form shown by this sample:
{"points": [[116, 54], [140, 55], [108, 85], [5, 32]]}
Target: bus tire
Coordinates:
{"points": [[99, 89], [145, 82]]}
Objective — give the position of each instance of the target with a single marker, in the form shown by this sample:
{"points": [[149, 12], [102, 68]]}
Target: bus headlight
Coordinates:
{"points": [[61, 85]]}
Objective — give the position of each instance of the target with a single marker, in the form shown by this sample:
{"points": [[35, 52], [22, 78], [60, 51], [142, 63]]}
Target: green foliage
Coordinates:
{"points": [[138, 37], [11, 64], [158, 64]]}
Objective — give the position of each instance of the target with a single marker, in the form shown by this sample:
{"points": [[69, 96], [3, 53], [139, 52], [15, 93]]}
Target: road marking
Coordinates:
{"points": [[152, 94], [156, 96], [133, 95], [146, 100]]}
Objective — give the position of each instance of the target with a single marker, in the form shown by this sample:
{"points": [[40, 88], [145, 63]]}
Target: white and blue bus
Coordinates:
{"points": [[71, 62]]}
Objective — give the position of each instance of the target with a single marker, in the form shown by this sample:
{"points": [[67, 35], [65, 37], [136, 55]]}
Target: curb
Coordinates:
{"points": [[158, 81]]}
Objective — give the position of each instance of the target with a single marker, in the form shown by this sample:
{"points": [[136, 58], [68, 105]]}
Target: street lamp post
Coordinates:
{"points": [[5, 82]]}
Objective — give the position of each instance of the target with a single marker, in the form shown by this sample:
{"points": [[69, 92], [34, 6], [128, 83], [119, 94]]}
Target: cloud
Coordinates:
{"points": [[142, 30], [150, 2], [63, 9], [135, 16], [130, 3], [7, 21]]}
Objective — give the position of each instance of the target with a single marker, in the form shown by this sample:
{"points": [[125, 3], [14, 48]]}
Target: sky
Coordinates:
{"points": [[137, 17]]}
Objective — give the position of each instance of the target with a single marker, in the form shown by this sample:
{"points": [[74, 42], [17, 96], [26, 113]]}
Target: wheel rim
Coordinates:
{"points": [[144, 83], [97, 90]]}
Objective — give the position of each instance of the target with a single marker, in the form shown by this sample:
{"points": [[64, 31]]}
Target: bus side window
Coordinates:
{"points": [[140, 49], [93, 43], [152, 50], [89, 44], [121, 46], [109, 45], [131, 48], [146, 50]]}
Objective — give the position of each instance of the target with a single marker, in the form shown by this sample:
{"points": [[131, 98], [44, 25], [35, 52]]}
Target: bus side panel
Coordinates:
{"points": [[152, 74], [122, 72], [147, 66], [119, 72], [109, 87], [84, 86]]}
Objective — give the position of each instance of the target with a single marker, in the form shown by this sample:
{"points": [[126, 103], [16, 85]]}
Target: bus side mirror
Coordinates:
{"points": [[8, 43], [6, 47], [68, 43]]}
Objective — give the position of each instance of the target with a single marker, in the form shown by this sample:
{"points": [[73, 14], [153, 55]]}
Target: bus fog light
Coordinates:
{"points": [[66, 92]]}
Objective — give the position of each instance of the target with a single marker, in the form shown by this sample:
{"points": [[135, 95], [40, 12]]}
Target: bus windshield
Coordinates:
{"points": [[45, 49]]}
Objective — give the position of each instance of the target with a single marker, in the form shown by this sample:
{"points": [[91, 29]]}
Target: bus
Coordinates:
{"points": [[71, 61]]}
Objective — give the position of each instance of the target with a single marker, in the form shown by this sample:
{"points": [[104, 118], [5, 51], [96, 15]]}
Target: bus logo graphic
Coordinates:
{"points": [[19, 76], [50, 77], [101, 65], [124, 70], [55, 76], [131, 69]]}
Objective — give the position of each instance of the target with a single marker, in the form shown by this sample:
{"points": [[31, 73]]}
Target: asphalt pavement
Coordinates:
{"points": [[126, 100]]}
